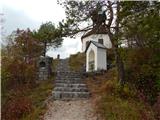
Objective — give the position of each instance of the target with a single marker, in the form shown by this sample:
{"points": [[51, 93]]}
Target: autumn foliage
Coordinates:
{"points": [[16, 107], [18, 74], [142, 71]]}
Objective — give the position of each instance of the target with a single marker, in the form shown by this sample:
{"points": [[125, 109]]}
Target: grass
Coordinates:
{"points": [[116, 108], [38, 95], [54, 64], [76, 61], [27, 101], [111, 100], [114, 102]]}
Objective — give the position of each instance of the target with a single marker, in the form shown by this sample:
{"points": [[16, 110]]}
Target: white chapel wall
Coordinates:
{"points": [[101, 59], [95, 37]]}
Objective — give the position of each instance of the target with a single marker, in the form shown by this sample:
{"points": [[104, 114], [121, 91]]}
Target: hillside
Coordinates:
{"points": [[114, 102], [111, 100]]}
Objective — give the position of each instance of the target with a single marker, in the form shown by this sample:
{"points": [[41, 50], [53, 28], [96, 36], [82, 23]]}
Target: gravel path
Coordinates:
{"points": [[70, 110]]}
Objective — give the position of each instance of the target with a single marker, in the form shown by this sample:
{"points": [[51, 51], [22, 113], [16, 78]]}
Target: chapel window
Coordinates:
{"points": [[100, 41]]}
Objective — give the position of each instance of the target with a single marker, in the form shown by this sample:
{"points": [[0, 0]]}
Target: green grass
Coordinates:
{"points": [[38, 95], [116, 108], [116, 103], [76, 61]]}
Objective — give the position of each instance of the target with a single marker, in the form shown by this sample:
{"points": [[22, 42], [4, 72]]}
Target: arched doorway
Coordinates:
{"points": [[91, 60]]}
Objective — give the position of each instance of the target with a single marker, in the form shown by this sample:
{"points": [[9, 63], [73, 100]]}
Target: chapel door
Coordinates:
{"points": [[91, 61]]}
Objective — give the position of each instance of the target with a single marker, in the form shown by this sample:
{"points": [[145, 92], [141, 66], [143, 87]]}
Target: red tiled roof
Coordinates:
{"points": [[96, 30]]}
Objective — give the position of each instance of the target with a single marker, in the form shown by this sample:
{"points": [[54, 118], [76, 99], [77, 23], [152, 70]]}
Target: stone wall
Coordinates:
{"points": [[44, 68]]}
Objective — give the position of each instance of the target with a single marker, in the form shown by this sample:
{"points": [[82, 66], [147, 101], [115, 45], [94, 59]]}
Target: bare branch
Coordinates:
{"points": [[111, 13]]}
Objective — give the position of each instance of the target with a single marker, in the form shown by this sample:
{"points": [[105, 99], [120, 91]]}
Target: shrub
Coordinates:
{"points": [[114, 102], [77, 61], [156, 108], [16, 107], [143, 71], [16, 73]]}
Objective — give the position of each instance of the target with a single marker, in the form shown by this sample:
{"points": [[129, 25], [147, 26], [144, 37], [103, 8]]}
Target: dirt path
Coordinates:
{"points": [[70, 110]]}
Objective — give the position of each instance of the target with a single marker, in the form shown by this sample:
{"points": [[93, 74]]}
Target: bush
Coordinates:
{"points": [[18, 73], [114, 102], [16, 107], [156, 108], [77, 61], [143, 71]]}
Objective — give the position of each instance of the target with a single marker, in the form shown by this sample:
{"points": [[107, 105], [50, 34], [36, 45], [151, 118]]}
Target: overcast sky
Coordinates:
{"points": [[31, 14]]}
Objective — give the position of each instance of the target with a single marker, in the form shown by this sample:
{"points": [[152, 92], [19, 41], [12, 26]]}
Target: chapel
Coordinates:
{"points": [[95, 44]]}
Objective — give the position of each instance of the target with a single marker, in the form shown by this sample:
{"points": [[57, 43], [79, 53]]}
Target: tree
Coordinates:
{"points": [[49, 35], [119, 22], [18, 73], [140, 27], [140, 23], [79, 12], [26, 46], [19, 58]]}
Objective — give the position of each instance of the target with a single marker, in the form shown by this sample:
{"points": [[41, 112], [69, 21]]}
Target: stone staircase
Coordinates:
{"points": [[69, 85]]}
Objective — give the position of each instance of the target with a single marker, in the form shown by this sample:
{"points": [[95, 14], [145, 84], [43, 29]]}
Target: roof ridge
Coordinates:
{"points": [[97, 44], [96, 30]]}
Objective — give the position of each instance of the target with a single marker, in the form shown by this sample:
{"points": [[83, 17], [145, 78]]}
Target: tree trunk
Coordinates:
{"points": [[114, 40], [120, 67], [119, 62], [44, 49]]}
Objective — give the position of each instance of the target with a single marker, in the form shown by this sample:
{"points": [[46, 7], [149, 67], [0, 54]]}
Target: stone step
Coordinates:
{"points": [[70, 85], [65, 82], [62, 79], [75, 79], [70, 89], [64, 70], [68, 78], [68, 74], [70, 95]]}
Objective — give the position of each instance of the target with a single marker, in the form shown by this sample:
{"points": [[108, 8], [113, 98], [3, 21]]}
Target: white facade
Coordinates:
{"points": [[101, 59], [95, 58], [95, 37]]}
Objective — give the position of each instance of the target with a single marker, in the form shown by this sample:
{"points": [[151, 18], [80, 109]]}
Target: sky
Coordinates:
{"points": [[31, 14]]}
